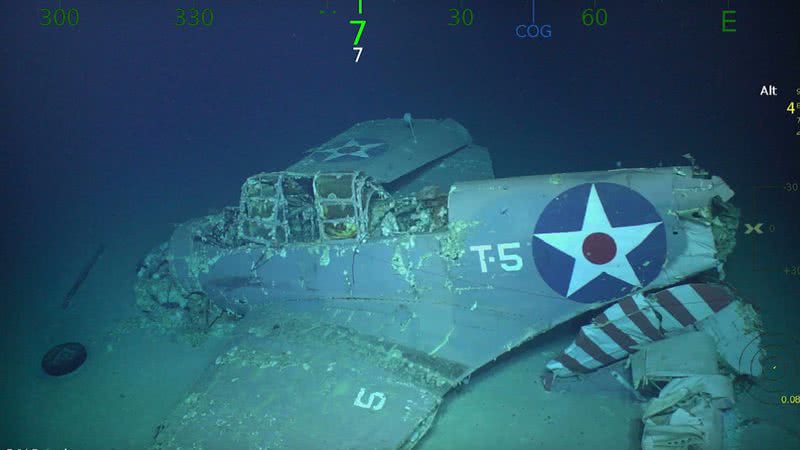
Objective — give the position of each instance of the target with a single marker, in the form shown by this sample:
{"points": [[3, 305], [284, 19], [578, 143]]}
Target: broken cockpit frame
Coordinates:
{"points": [[279, 209], [282, 207]]}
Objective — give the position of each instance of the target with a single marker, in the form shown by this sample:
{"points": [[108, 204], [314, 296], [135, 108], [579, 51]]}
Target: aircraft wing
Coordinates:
{"points": [[352, 344], [468, 164], [305, 385], [386, 149]]}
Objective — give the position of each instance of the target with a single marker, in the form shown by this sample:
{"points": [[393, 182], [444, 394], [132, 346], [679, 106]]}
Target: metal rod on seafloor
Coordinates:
{"points": [[82, 276]]}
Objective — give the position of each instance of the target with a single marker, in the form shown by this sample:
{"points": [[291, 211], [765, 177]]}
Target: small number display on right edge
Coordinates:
{"points": [[790, 399], [794, 105]]}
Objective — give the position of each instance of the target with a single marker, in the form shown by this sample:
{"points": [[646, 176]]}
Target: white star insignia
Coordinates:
{"points": [[362, 152], [622, 239]]}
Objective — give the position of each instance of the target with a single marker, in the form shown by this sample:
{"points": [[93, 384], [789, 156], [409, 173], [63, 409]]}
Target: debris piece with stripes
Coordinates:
{"points": [[636, 320]]}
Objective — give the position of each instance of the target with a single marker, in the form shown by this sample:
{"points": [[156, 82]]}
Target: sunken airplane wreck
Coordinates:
{"points": [[368, 279]]}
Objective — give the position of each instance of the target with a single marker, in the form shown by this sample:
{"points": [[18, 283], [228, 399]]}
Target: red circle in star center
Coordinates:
{"points": [[599, 248]]}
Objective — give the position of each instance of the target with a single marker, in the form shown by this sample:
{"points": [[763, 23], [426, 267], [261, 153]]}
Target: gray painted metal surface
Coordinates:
{"points": [[385, 149], [397, 318], [291, 383], [469, 163], [404, 289]]}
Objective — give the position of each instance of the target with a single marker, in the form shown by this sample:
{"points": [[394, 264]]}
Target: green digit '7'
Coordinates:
{"points": [[361, 24]]}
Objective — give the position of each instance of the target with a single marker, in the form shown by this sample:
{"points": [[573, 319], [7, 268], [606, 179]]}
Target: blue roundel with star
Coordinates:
{"points": [[599, 241]]}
